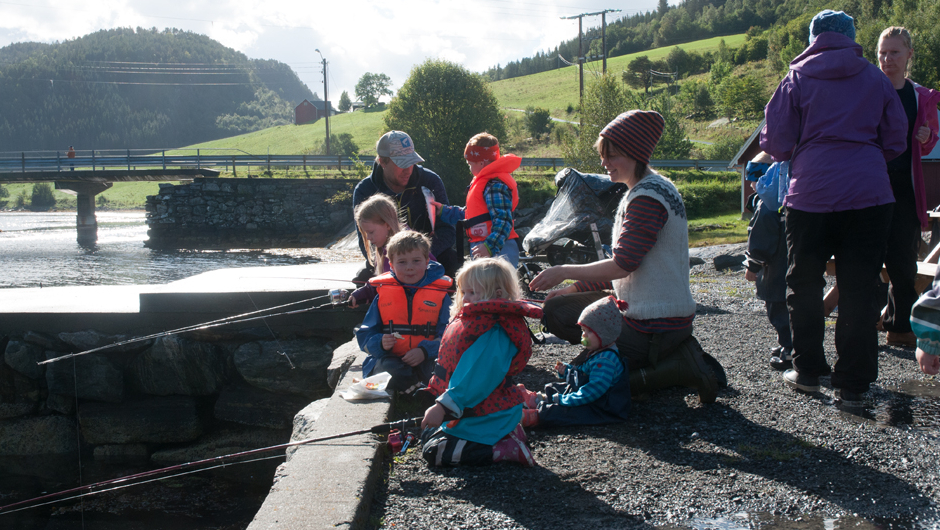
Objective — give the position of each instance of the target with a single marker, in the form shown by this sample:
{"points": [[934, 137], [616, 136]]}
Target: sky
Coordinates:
{"points": [[354, 36]]}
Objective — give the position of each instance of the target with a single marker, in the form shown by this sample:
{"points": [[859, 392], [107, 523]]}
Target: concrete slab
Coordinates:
{"points": [[329, 484]]}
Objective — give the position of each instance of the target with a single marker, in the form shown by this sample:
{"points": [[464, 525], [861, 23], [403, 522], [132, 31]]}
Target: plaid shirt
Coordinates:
{"points": [[498, 201]]}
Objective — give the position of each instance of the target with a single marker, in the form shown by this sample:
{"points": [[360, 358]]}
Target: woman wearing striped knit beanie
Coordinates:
{"points": [[649, 269]]}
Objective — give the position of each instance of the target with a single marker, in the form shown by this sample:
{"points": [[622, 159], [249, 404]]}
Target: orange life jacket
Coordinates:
{"points": [[478, 221], [413, 317], [473, 321]]}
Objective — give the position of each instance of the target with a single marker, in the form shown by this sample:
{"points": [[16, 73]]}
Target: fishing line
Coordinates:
{"points": [[234, 319], [220, 461], [78, 436], [280, 350]]}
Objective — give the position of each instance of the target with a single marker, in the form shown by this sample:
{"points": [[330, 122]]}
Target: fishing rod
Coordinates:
{"points": [[234, 319], [119, 482]]}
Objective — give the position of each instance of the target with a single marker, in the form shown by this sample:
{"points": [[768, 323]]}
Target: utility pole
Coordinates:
{"points": [[603, 15], [326, 104]]}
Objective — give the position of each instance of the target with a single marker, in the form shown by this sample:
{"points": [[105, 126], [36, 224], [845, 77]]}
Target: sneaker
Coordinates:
{"points": [[781, 358], [794, 380], [907, 340], [849, 398], [532, 399], [512, 448], [530, 417]]}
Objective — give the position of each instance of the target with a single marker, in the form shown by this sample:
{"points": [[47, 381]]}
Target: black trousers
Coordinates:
{"points": [[857, 239], [901, 259]]}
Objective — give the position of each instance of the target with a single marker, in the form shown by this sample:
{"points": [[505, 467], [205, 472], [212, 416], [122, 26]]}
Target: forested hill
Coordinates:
{"points": [[143, 88]]}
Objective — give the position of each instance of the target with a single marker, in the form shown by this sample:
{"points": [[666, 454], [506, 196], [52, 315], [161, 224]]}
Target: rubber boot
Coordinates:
{"points": [[684, 366]]}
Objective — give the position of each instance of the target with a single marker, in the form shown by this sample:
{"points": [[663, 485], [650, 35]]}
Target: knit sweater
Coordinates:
{"points": [[659, 287]]}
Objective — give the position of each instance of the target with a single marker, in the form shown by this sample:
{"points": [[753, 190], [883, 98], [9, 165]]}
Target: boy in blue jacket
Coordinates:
{"points": [[402, 328]]}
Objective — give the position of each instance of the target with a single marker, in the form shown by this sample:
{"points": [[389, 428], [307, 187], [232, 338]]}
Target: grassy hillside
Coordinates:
{"points": [[557, 89], [365, 128]]}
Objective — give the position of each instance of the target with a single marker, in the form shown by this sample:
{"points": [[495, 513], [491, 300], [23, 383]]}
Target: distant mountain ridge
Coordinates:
{"points": [[138, 88]]}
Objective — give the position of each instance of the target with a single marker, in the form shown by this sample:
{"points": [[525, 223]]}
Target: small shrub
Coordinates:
{"points": [[538, 121], [723, 149], [42, 198], [706, 199]]}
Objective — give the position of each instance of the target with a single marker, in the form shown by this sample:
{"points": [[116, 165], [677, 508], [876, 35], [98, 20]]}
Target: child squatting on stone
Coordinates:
{"points": [[596, 389], [491, 199], [377, 220], [925, 323], [485, 345], [402, 328]]}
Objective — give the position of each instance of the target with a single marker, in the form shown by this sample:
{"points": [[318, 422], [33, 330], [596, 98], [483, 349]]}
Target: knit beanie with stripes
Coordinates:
{"points": [[636, 133]]}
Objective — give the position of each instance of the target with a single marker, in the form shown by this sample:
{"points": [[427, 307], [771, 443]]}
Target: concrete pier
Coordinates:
{"points": [[85, 221]]}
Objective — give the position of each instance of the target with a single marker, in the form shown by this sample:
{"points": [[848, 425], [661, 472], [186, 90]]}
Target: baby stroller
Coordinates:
{"points": [[577, 227]]}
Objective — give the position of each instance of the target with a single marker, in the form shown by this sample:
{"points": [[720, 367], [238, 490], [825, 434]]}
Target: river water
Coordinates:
{"points": [[40, 250]]}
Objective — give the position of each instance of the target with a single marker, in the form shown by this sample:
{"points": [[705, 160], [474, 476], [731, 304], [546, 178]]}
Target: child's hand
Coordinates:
{"points": [[929, 364], [480, 251], [433, 417], [413, 357], [388, 341], [750, 276], [352, 303], [560, 368], [438, 208]]}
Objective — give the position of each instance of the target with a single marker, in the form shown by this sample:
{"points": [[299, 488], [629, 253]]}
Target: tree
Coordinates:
{"points": [[638, 73], [42, 198], [673, 144], [341, 145], [442, 105], [371, 87], [538, 121], [604, 100], [344, 103], [741, 97]]}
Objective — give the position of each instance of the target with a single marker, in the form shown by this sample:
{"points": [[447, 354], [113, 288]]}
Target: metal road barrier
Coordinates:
{"points": [[138, 159]]}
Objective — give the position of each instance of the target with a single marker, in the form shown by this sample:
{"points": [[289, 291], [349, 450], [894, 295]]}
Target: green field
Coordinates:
{"points": [[556, 89]]}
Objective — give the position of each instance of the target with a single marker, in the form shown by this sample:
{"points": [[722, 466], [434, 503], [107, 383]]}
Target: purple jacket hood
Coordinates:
{"points": [[842, 57]]}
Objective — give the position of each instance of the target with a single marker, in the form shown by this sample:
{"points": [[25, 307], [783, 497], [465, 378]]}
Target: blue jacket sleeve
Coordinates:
{"points": [[369, 334], [431, 347], [451, 214], [603, 369], [481, 369]]}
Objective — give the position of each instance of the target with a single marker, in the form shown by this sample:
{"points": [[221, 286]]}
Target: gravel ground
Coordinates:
{"points": [[761, 456]]}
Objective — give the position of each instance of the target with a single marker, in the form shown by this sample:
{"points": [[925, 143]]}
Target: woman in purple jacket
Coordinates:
{"points": [[907, 181], [838, 120]]}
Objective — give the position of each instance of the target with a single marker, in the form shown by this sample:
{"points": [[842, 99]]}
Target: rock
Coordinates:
{"points": [[14, 410], [60, 403], [251, 406], [45, 340], [84, 340], [287, 367], [305, 421], [524, 212], [25, 358], [100, 379], [149, 420], [728, 261], [695, 260], [175, 366], [220, 444], [44, 435], [343, 358], [122, 453]]}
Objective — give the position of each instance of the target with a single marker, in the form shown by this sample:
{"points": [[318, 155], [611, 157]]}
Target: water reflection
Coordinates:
{"points": [[914, 404], [40, 250]]}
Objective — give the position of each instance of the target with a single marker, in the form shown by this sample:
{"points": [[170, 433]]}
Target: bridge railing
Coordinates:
{"points": [[130, 159]]}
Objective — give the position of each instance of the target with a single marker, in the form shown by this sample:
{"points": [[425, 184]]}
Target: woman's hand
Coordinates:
{"points": [[433, 417], [923, 134], [548, 278], [750, 276]]}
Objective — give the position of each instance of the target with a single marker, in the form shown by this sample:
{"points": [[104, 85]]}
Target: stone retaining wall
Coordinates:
{"points": [[143, 400], [249, 213]]}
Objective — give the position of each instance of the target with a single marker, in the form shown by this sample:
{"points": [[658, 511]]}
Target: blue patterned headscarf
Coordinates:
{"points": [[829, 20]]}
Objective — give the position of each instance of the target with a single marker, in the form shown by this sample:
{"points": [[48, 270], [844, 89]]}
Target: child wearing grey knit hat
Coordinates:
{"points": [[596, 387]]}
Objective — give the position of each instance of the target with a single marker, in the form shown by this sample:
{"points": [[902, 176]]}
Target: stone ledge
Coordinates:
{"points": [[330, 484]]}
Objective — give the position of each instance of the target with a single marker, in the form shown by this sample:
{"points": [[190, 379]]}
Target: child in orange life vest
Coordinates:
{"points": [[596, 389], [486, 343], [377, 220], [491, 199], [402, 328]]}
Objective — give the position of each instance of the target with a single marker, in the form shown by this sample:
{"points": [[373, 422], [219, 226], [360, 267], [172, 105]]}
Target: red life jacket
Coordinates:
{"points": [[473, 321], [478, 221], [415, 319]]}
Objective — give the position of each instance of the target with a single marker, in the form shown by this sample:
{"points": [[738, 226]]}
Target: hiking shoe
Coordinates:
{"points": [[906, 340], [781, 358], [512, 448], [796, 381], [849, 398]]}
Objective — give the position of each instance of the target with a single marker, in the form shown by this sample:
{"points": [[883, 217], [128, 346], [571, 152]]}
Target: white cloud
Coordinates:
{"points": [[355, 36]]}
